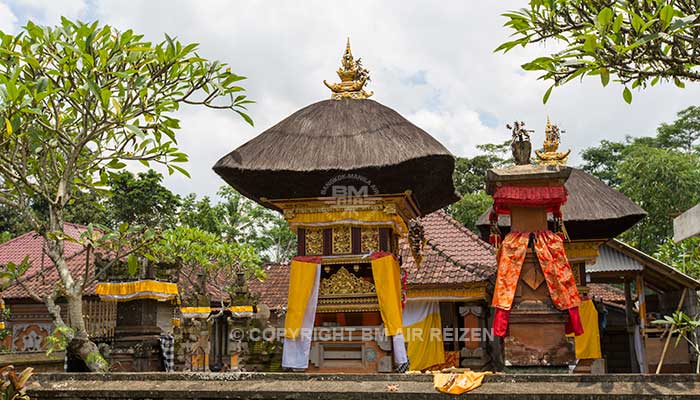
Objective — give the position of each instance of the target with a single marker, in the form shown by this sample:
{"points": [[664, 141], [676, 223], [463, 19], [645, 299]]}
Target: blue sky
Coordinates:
{"points": [[434, 65]]}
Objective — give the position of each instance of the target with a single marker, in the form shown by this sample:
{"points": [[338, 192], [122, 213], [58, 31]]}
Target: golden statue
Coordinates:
{"points": [[353, 78], [550, 155]]}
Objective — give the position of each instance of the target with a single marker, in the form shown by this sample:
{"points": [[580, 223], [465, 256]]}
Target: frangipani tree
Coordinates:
{"points": [[636, 43], [77, 101]]}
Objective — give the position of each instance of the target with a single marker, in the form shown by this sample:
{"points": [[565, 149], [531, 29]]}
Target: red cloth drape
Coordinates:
{"points": [[549, 197]]}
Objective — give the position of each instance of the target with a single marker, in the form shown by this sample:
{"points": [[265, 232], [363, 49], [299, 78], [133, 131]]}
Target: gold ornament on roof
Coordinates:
{"points": [[549, 155], [353, 78]]}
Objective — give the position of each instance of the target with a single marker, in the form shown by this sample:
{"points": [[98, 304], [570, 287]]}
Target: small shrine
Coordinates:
{"points": [[535, 289], [351, 177]]}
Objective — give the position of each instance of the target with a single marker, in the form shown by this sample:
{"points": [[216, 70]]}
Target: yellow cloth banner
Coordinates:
{"points": [[424, 339], [588, 344], [458, 383], [195, 312], [137, 290], [349, 216], [301, 282], [241, 309], [387, 281]]}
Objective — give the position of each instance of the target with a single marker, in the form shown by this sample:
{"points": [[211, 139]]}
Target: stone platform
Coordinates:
{"points": [[354, 387]]}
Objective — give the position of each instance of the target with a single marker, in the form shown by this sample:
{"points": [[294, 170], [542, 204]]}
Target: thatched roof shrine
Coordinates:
{"points": [[348, 135]]}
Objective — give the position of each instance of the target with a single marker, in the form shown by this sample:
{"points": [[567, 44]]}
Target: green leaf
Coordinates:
{"points": [[590, 44], [666, 15], [547, 94], [604, 17], [132, 264], [627, 95], [181, 170], [679, 83], [604, 76]]}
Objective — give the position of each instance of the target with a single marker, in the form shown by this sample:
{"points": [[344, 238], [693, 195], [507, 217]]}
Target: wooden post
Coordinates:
{"points": [[642, 321], [634, 365]]}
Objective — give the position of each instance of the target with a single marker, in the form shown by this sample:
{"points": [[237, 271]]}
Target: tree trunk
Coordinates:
{"points": [[80, 344]]}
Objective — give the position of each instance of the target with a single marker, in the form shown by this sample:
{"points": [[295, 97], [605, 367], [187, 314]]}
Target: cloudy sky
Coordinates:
{"points": [[432, 62]]}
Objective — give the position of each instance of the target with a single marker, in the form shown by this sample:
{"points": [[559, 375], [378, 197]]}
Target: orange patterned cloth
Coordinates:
{"points": [[510, 260], [549, 248], [557, 271]]}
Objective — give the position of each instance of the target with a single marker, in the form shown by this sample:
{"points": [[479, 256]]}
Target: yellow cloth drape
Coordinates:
{"points": [[458, 383], [137, 290], [195, 312], [588, 344], [348, 217], [387, 282], [301, 282], [424, 339]]}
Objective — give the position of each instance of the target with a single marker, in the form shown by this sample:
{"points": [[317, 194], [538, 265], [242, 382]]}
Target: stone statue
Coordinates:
{"points": [[520, 143]]}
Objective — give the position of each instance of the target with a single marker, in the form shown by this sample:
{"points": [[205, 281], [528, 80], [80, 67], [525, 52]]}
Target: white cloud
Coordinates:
{"points": [[49, 12], [287, 49], [8, 19]]}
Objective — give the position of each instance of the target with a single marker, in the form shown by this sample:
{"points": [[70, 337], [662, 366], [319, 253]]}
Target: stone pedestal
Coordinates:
{"points": [[137, 337]]}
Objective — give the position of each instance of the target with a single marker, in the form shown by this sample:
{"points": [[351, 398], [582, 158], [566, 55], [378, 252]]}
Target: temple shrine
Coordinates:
{"points": [[351, 178]]}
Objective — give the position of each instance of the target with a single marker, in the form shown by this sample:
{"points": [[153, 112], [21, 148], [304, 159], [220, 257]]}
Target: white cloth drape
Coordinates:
{"points": [[400, 356], [416, 311], [295, 352]]}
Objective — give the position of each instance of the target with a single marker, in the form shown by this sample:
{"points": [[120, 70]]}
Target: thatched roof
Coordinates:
{"points": [[593, 210], [298, 157]]}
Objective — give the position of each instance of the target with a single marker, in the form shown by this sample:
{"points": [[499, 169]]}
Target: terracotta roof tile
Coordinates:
{"points": [[605, 292], [41, 277], [272, 291]]}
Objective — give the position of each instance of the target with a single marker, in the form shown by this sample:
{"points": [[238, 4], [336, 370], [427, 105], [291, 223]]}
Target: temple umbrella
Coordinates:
{"points": [[360, 143]]}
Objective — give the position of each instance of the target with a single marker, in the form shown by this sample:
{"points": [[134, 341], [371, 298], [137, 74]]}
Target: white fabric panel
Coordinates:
{"points": [[400, 356], [416, 311], [295, 352]]}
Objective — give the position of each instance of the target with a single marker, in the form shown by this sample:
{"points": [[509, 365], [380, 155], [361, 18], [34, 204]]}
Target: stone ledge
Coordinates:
{"points": [[353, 386]]}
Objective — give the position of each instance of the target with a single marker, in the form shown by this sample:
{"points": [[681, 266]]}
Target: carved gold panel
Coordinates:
{"points": [[314, 242], [370, 240], [344, 283], [342, 240]]}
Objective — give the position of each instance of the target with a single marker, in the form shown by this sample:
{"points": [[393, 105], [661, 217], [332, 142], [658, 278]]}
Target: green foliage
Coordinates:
{"points": [[142, 200], [470, 178], [684, 133], [684, 256], [5, 236], [470, 207], [603, 161], [679, 323], [637, 43], [195, 251], [239, 220], [78, 100], [664, 183], [59, 338], [661, 174]]}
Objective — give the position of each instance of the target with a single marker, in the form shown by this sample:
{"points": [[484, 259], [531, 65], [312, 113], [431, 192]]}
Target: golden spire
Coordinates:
{"points": [[549, 155], [353, 78]]}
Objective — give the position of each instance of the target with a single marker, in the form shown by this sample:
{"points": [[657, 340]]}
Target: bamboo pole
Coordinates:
{"points": [[668, 338]]}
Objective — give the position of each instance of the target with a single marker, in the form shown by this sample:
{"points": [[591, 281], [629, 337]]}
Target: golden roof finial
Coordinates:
{"points": [[353, 78], [549, 154]]}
